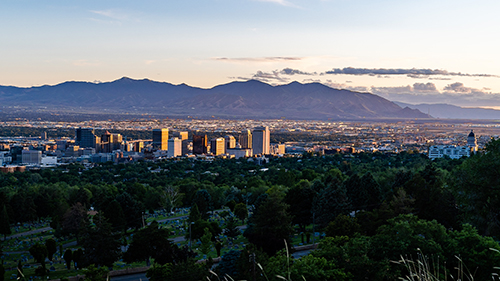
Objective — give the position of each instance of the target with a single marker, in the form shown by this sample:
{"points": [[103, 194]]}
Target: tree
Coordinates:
{"points": [[132, 210], [51, 246], [241, 212], [171, 198], [101, 246], [364, 192], [228, 265], [113, 211], [194, 214], [477, 187], [152, 241], [78, 258], [206, 243], [231, 230], [343, 225], [93, 273], [329, 203], [307, 268], [4, 223], [68, 257], [270, 231], [204, 202], [39, 253], [231, 204], [185, 271], [300, 199], [74, 219]]}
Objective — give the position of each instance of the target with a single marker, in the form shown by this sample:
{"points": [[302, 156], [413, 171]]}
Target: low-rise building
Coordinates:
{"points": [[452, 151]]}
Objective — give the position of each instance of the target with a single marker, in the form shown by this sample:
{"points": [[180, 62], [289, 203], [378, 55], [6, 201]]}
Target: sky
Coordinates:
{"points": [[410, 51]]}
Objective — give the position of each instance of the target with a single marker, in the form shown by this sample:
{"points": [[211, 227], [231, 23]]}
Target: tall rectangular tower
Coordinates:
{"points": [[246, 139], [230, 141], [200, 144], [85, 137], [174, 147], [160, 139], [261, 140], [218, 146]]}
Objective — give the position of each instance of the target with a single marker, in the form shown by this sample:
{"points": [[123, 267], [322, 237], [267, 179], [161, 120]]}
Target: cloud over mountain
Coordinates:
{"points": [[412, 72]]}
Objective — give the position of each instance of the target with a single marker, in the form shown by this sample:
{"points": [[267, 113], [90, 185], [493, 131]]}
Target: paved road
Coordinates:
{"points": [[29, 232], [132, 277]]}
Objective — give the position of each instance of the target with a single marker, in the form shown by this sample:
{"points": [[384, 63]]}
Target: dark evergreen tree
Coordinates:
{"points": [[132, 210], [101, 246], [113, 211], [68, 257], [270, 231], [300, 199], [51, 246], [330, 203], [241, 212], [204, 202], [4, 223]]}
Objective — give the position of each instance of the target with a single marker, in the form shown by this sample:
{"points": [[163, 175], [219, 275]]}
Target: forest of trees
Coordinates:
{"points": [[372, 209]]}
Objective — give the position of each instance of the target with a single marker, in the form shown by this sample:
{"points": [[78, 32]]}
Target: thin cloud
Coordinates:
{"points": [[413, 72], [110, 14], [290, 71], [281, 2], [261, 59], [266, 76]]}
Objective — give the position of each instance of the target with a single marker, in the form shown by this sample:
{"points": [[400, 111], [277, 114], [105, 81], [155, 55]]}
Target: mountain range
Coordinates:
{"points": [[249, 99], [449, 111]]}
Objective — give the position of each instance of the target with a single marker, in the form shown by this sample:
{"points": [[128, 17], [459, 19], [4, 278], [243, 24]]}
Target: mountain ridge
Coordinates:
{"points": [[236, 99]]}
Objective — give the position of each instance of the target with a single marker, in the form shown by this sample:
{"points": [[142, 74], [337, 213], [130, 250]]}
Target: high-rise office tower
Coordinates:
{"points": [[174, 147], [200, 144], [218, 146], [160, 139], [261, 139], [183, 135], [85, 137], [230, 141], [246, 139]]}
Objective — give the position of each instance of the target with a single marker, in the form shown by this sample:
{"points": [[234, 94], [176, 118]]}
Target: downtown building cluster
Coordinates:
{"points": [[87, 147]]}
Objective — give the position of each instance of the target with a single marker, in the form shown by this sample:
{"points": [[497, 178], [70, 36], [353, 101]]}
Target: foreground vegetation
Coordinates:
{"points": [[370, 211]]}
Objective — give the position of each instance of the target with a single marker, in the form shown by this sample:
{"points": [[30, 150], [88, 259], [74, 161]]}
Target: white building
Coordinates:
{"points": [[239, 152], [174, 147], [452, 151], [49, 161]]}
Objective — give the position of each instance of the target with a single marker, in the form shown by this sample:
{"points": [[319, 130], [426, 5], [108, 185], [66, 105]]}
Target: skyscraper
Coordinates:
{"points": [[174, 147], [160, 139], [261, 139], [246, 139], [85, 137], [230, 141], [200, 144], [218, 146]]}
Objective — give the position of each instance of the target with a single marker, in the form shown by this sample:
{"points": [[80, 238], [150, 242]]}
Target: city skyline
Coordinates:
{"points": [[384, 47]]}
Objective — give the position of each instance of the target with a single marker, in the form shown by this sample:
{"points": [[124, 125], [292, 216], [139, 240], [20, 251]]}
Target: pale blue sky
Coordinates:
{"points": [[48, 42]]}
